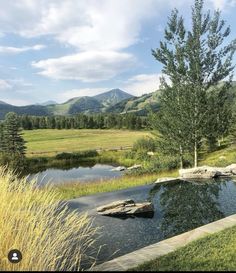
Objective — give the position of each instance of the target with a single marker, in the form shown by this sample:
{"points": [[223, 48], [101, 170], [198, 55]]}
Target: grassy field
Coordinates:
{"points": [[50, 142], [212, 253], [75, 190], [220, 158]]}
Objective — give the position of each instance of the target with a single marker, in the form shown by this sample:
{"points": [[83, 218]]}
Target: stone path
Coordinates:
{"points": [[154, 251]]}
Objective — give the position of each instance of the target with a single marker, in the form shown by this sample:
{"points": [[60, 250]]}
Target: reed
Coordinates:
{"points": [[49, 236]]}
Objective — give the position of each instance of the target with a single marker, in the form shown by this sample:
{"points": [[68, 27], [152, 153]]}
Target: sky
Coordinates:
{"points": [[60, 49]]}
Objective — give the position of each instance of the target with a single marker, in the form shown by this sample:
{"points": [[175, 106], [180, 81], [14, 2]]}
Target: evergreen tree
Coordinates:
{"points": [[14, 143], [2, 145], [195, 62]]}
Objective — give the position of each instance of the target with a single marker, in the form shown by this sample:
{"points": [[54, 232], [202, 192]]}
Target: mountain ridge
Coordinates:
{"points": [[85, 104]]}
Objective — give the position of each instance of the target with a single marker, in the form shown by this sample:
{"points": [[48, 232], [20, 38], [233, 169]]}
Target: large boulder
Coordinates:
{"points": [[204, 172], [126, 207], [231, 168]]}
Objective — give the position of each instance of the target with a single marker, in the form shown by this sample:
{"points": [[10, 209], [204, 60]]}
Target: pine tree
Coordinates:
{"points": [[195, 62], [1, 139], [14, 143]]}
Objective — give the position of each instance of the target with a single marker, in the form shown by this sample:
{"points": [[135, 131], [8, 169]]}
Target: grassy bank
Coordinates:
{"points": [[220, 158], [212, 253], [48, 143], [75, 190]]}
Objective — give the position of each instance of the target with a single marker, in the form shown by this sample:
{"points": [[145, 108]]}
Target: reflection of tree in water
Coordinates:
{"points": [[186, 205]]}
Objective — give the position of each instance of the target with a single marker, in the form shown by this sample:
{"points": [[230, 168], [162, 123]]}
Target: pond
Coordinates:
{"points": [[75, 174], [179, 207]]}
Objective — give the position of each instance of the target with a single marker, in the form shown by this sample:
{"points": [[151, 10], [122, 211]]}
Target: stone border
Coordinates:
{"points": [[159, 249]]}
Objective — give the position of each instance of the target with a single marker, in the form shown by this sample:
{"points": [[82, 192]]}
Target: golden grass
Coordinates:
{"points": [[49, 238], [77, 189]]}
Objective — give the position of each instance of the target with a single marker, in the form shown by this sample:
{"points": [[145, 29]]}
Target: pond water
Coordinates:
{"points": [[75, 174], [179, 207]]}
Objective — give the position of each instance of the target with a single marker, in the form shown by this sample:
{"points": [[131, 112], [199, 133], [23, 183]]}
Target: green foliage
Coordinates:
{"points": [[12, 144], [197, 104], [84, 121], [77, 155], [147, 144]]}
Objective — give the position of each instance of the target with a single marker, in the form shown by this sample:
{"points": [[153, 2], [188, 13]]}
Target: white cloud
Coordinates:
{"points": [[89, 66], [17, 50], [84, 24], [223, 4], [142, 84], [4, 85]]}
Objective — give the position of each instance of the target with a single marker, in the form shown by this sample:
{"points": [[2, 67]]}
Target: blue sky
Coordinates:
{"points": [[59, 49]]}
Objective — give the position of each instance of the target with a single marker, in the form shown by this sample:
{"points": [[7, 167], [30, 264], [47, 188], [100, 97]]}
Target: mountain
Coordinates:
{"points": [[140, 105], [46, 103], [113, 101], [35, 110], [76, 105], [96, 104], [2, 102], [112, 97]]}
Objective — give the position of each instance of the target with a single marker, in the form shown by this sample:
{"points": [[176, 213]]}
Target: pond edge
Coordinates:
{"points": [[151, 252]]}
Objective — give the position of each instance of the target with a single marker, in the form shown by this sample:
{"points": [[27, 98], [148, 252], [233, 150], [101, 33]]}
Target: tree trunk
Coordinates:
{"points": [[181, 156], [195, 155]]}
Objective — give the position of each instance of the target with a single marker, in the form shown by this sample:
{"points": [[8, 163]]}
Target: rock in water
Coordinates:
{"points": [[134, 167], [206, 172], [126, 207], [119, 169], [166, 179]]}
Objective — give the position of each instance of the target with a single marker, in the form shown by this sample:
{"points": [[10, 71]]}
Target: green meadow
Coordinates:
{"points": [[49, 142]]}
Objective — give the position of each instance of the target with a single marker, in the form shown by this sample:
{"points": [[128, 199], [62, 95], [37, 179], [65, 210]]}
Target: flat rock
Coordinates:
{"points": [[125, 207], [206, 172], [119, 169], [166, 179], [134, 167], [232, 169]]}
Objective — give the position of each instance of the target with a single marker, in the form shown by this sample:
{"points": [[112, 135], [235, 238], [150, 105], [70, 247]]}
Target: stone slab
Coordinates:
{"points": [[159, 249]]}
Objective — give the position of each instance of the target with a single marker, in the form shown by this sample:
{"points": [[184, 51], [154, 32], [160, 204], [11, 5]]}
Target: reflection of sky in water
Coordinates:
{"points": [[83, 174], [179, 207]]}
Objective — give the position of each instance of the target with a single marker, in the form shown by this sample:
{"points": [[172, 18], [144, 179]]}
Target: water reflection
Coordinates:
{"points": [[97, 172], [186, 205], [179, 207]]}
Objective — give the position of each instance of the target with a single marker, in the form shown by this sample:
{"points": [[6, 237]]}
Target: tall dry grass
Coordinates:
{"points": [[49, 236]]}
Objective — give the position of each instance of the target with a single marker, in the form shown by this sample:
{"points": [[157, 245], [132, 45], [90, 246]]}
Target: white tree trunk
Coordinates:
{"points": [[195, 155]]}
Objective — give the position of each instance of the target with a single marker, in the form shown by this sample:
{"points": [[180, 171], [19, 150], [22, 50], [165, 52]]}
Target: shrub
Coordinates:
{"points": [[77, 156], [38, 160], [48, 234], [145, 144], [13, 162], [163, 163]]}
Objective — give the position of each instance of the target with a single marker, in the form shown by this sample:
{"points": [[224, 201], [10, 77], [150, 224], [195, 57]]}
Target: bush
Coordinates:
{"points": [[145, 144], [49, 235], [38, 160], [18, 163], [77, 156]]}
